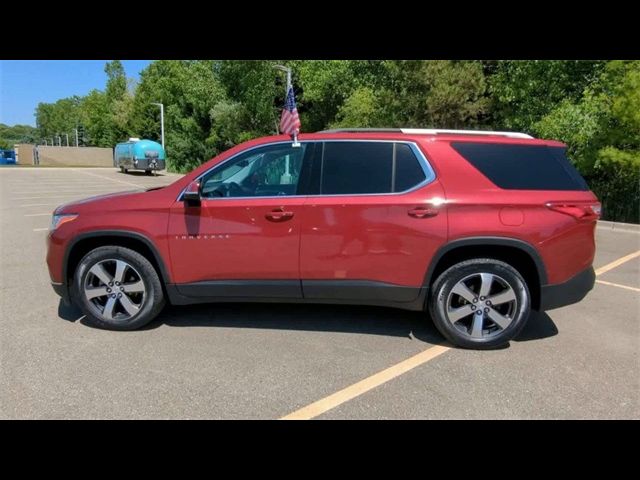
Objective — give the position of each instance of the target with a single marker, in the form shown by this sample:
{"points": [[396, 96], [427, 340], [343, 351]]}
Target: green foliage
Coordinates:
{"points": [[53, 119], [189, 91], [17, 134], [525, 91], [593, 106], [602, 132], [4, 145], [361, 109]]}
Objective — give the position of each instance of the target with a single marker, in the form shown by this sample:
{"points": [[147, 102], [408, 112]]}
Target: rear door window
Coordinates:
{"points": [[367, 167], [356, 167], [523, 167], [409, 173]]}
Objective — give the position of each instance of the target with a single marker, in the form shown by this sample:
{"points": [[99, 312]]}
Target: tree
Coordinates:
{"points": [[602, 132], [58, 118], [525, 91], [17, 134], [189, 91]]}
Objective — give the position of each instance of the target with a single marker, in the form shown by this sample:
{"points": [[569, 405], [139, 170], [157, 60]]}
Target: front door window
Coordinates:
{"points": [[264, 172]]}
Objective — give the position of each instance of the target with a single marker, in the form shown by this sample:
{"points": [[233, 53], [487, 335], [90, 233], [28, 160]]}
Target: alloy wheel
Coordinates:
{"points": [[481, 305], [114, 289]]}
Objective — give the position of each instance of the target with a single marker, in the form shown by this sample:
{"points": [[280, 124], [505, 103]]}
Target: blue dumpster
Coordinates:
{"points": [[7, 157]]}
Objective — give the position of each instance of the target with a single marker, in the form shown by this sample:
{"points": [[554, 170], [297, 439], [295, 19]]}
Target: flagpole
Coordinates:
{"points": [[288, 71]]}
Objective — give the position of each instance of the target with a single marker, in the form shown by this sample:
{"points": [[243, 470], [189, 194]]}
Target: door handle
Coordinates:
{"points": [[278, 215], [422, 212]]}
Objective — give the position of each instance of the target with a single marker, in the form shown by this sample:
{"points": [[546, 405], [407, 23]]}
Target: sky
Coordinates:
{"points": [[25, 83]]}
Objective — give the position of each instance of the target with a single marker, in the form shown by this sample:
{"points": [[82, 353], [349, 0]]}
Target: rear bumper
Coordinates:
{"points": [[571, 291], [147, 164]]}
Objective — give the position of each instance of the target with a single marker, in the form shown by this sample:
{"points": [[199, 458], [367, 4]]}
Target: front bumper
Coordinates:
{"points": [[571, 291]]}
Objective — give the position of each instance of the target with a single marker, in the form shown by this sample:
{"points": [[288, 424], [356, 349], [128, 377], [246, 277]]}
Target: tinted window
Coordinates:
{"points": [[356, 167], [409, 173], [524, 167]]}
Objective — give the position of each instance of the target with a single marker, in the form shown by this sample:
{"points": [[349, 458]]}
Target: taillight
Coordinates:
{"points": [[581, 211]]}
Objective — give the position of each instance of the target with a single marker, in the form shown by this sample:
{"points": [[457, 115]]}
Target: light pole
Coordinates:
{"points": [[161, 122], [59, 141], [67, 135], [76, 130]]}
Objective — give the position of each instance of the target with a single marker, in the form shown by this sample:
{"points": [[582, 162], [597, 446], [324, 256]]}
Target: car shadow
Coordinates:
{"points": [[539, 326], [299, 317], [141, 173], [314, 318]]}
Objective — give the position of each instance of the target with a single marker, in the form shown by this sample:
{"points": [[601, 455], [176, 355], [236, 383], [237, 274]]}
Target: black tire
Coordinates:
{"points": [[457, 334], [148, 172], [153, 300]]}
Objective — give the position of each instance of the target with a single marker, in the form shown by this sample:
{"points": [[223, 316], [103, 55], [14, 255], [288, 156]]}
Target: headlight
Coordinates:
{"points": [[59, 219]]}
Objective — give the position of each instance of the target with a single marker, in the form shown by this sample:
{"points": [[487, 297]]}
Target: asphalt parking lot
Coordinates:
{"points": [[270, 361]]}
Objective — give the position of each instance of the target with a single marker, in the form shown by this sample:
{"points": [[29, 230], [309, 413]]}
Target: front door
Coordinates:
{"points": [[244, 239]]}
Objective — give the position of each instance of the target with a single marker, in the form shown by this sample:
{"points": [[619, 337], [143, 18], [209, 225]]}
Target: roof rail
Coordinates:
{"points": [[435, 131], [428, 131], [349, 130]]}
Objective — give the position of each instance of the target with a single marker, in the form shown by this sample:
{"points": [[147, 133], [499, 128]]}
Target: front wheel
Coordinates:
{"points": [[117, 288], [480, 303]]}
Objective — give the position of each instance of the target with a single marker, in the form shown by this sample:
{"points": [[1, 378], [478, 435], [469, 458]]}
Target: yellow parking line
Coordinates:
{"points": [[363, 386], [627, 287], [349, 393], [617, 263]]}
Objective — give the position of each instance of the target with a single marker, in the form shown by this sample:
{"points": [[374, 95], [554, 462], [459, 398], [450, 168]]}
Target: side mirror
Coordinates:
{"points": [[192, 194]]}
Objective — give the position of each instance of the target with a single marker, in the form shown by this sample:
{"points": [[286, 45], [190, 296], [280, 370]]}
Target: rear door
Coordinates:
{"points": [[373, 222]]}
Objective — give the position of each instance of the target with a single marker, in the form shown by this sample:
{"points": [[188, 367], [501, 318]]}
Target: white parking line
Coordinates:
{"points": [[108, 178], [40, 229], [72, 192], [71, 196], [39, 204]]}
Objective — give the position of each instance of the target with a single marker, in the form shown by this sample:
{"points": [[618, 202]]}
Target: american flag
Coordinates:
{"points": [[290, 121]]}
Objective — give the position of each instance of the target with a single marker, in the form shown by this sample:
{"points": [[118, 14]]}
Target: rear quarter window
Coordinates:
{"points": [[523, 167]]}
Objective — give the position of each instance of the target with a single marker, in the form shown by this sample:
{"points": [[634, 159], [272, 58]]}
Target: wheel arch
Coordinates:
{"points": [[84, 243], [517, 253]]}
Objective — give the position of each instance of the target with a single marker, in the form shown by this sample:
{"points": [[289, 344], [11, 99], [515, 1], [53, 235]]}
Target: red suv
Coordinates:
{"points": [[478, 228]]}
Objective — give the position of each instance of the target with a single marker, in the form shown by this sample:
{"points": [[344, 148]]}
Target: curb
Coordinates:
{"points": [[620, 227]]}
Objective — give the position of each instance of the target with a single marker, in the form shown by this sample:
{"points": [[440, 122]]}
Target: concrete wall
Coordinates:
{"points": [[66, 156]]}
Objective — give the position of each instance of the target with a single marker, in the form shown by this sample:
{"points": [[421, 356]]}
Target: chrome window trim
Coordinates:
{"points": [[429, 172]]}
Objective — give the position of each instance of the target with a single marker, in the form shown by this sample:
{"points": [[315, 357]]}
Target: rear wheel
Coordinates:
{"points": [[123, 170], [148, 171], [480, 303], [117, 288]]}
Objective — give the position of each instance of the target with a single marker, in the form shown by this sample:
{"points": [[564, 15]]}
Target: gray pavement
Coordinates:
{"points": [[265, 361]]}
